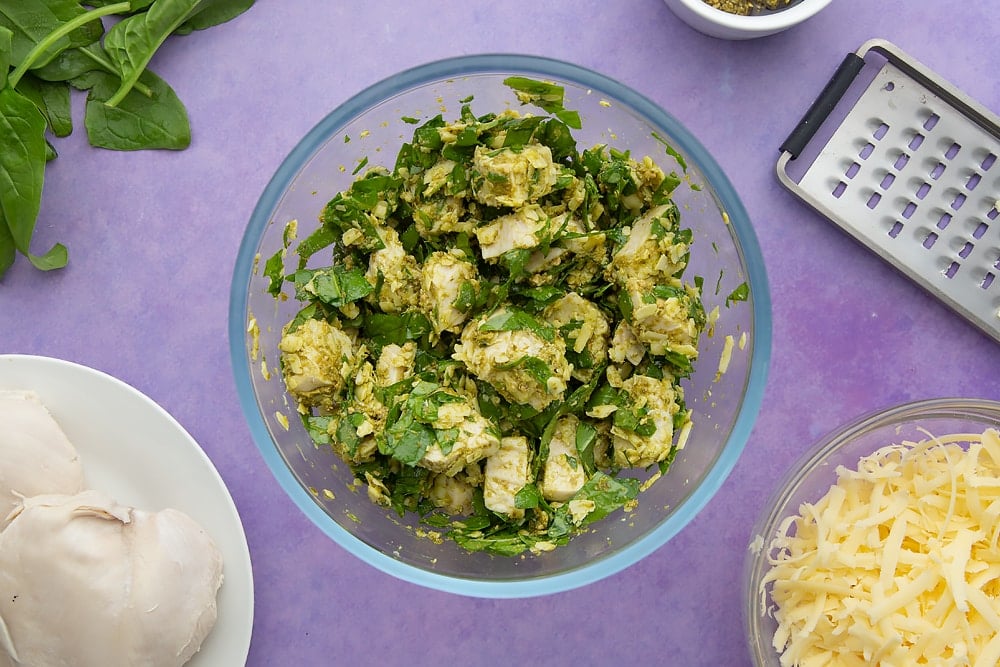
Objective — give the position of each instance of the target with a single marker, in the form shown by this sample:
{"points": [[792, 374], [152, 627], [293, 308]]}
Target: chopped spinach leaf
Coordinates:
{"points": [[512, 319], [741, 293]]}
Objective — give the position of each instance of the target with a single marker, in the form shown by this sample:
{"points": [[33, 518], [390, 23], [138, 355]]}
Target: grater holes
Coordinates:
{"points": [[952, 151], [988, 161], [909, 210], [901, 161], [866, 150], [873, 200], [979, 231], [951, 270], [880, 131], [839, 189], [916, 141], [931, 121], [987, 280], [887, 180], [852, 170], [937, 171], [930, 240], [993, 212], [944, 220], [957, 202], [966, 250], [973, 181], [922, 190], [895, 229]]}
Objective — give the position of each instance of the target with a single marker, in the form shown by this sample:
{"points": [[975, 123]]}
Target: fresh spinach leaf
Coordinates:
{"points": [[137, 5], [52, 99], [42, 50], [7, 249], [131, 42], [137, 122], [33, 22], [22, 174], [60, 41], [74, 65], [5, 55], [213, 13]]}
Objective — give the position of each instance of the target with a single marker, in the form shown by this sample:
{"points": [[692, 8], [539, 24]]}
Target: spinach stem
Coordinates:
{"points": [[109, 66], [60, 32]]}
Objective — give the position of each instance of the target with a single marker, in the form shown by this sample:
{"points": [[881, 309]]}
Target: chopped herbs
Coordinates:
{"points": [[748, 7], [499, 342]]}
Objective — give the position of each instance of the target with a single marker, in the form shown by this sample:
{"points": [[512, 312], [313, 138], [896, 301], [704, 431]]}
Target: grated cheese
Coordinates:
{"points": [[725, 357], [897, 564]]}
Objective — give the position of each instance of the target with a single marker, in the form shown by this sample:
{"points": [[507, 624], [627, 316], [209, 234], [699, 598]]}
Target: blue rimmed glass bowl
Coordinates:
{"points": [[724, 252]]}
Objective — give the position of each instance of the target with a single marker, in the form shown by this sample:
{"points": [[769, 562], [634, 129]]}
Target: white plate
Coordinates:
{"points": [[134, 450]]}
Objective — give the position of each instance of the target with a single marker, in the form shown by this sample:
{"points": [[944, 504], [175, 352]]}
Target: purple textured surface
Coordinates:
{"points": [[153, 236]]}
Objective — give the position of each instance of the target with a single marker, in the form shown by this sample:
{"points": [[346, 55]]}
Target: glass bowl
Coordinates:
{"points": [[812, 475], [724, 251]]}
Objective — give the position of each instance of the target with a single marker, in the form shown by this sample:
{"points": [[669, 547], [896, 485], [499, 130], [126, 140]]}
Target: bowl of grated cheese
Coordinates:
{"points": [[881, 545]]}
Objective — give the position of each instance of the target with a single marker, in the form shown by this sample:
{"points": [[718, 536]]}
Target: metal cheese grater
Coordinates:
{"points": [[912, 171]]}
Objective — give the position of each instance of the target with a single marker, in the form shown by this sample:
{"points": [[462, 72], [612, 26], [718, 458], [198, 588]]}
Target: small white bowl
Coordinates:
{"points": [[717, 23]]}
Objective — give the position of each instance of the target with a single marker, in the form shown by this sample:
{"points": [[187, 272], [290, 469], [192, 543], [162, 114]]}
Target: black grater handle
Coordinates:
{"points": [[823, 105]]}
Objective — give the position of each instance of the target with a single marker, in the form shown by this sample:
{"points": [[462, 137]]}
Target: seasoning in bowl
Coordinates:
{"points": [[898, 563], [747, 7]]}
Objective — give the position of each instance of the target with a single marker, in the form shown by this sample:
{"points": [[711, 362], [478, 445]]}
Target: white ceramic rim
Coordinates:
{"points": [[775, 22]]}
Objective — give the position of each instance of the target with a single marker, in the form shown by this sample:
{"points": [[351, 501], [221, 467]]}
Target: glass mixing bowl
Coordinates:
{"points": [[724, 252], [814, 473]]}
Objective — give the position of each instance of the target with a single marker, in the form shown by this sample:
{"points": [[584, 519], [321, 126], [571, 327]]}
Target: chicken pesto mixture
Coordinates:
{"points": [[502, 329]]}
